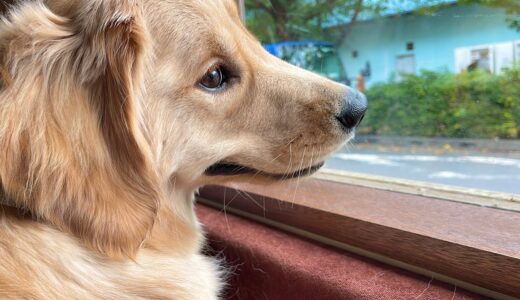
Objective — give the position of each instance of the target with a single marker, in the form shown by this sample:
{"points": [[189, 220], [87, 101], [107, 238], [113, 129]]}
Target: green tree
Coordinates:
{"points": [[512, 8], [474, 104], [276, 20]]}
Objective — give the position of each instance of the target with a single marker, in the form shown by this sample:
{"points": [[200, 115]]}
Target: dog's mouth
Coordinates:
{"points": [[231, 169]]}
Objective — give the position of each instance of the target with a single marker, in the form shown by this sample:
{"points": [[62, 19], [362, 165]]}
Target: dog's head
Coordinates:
{"points": [[220, 105], [106, 105]]}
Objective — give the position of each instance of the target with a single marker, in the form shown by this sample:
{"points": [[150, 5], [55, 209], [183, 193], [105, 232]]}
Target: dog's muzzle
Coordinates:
{"points": [[353, 110]]}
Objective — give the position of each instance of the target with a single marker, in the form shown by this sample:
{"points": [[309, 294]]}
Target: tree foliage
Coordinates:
{"points": [[282, 20], [473, 104], [276, 20], [512, 8]]}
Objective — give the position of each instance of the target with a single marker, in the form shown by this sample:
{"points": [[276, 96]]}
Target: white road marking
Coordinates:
{"points": [[393, 160], [371, 159], [455, 175]]}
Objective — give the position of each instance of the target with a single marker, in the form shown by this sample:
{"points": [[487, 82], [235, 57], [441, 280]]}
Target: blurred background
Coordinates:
{"points": [[442, 78]]}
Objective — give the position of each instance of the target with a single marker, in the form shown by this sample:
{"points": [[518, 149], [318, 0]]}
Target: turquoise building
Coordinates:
{"points": [[455, 38]]}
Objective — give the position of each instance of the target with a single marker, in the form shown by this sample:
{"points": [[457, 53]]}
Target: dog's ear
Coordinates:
{"points": [[74, 152]]}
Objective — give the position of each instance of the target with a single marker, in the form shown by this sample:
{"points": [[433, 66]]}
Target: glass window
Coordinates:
{"points": [[493, 58], [315, 56], [504, 57], [480, 59], [405, 64], [517, 52], [442, 78]]}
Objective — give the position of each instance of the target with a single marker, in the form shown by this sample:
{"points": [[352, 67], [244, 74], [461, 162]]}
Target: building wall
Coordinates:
{"points": [[435, 38]]}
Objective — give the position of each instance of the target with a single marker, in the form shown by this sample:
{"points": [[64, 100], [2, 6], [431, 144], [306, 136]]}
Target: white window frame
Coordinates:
{"points": [[516, 50], [408, 56], [462, 55]]}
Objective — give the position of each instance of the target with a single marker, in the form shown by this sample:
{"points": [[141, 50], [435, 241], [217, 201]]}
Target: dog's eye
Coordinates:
{"points": [[214, 79]]}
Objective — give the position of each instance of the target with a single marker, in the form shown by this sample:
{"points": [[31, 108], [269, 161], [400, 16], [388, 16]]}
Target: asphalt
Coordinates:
{"points": [[470, 168]]}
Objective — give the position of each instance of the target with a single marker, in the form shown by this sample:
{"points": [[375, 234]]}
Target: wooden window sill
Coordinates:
{"points": [[473, 247]]}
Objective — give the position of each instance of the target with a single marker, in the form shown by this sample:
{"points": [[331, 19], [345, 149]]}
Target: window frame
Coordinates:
{"points": [[516, 49], [489, 50], [400, 59], [368, 227], [484, 198], [463, 55]]}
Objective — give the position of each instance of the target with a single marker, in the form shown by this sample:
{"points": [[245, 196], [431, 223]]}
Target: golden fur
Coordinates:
{"points": [[105, 135]]}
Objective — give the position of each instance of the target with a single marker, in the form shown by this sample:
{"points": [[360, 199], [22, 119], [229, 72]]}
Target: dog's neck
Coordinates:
{"points": [[7, 205], [171, 231], [176, 225], [4, 201]]}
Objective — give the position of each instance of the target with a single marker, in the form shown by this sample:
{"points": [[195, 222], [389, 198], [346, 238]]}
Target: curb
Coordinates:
{"points": [[495, 145]]}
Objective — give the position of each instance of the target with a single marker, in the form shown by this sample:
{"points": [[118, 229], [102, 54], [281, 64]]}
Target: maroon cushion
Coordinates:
{"points": [[269, 264]]}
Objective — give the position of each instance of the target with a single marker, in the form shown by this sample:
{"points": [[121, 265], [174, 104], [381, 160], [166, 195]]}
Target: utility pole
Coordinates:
{"points": [[242, 9]]}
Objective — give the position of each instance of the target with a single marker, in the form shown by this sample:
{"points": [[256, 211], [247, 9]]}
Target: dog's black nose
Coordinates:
{"points": [[353, 110]]}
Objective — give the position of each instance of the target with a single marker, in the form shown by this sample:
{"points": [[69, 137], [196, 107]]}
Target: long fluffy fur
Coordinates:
{"points": [[103, 173], [89, 175], [74, 156]]}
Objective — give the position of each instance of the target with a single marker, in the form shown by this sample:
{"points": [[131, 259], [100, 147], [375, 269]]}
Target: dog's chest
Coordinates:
{"points": [[48, 264]]}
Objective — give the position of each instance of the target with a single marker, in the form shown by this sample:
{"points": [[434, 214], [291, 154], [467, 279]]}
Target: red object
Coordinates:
{"points": [[266, 263], [360, 83]]}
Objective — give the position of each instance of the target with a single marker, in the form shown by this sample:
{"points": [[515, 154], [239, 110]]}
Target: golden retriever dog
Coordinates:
{"points": [[113, 113]]}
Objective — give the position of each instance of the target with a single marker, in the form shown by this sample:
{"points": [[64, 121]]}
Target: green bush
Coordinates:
{"points": [[472, 104]]}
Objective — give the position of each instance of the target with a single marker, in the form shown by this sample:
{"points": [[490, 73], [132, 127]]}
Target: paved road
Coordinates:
{"points": [[500, 172]]}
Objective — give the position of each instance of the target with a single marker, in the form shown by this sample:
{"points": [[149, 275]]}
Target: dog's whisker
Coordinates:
{"points": [[319, 182], [233, 198], [291, 141], [226, 205], [289, 165], [276, 157], [247, 195], [309, 172], [298, 178]]}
